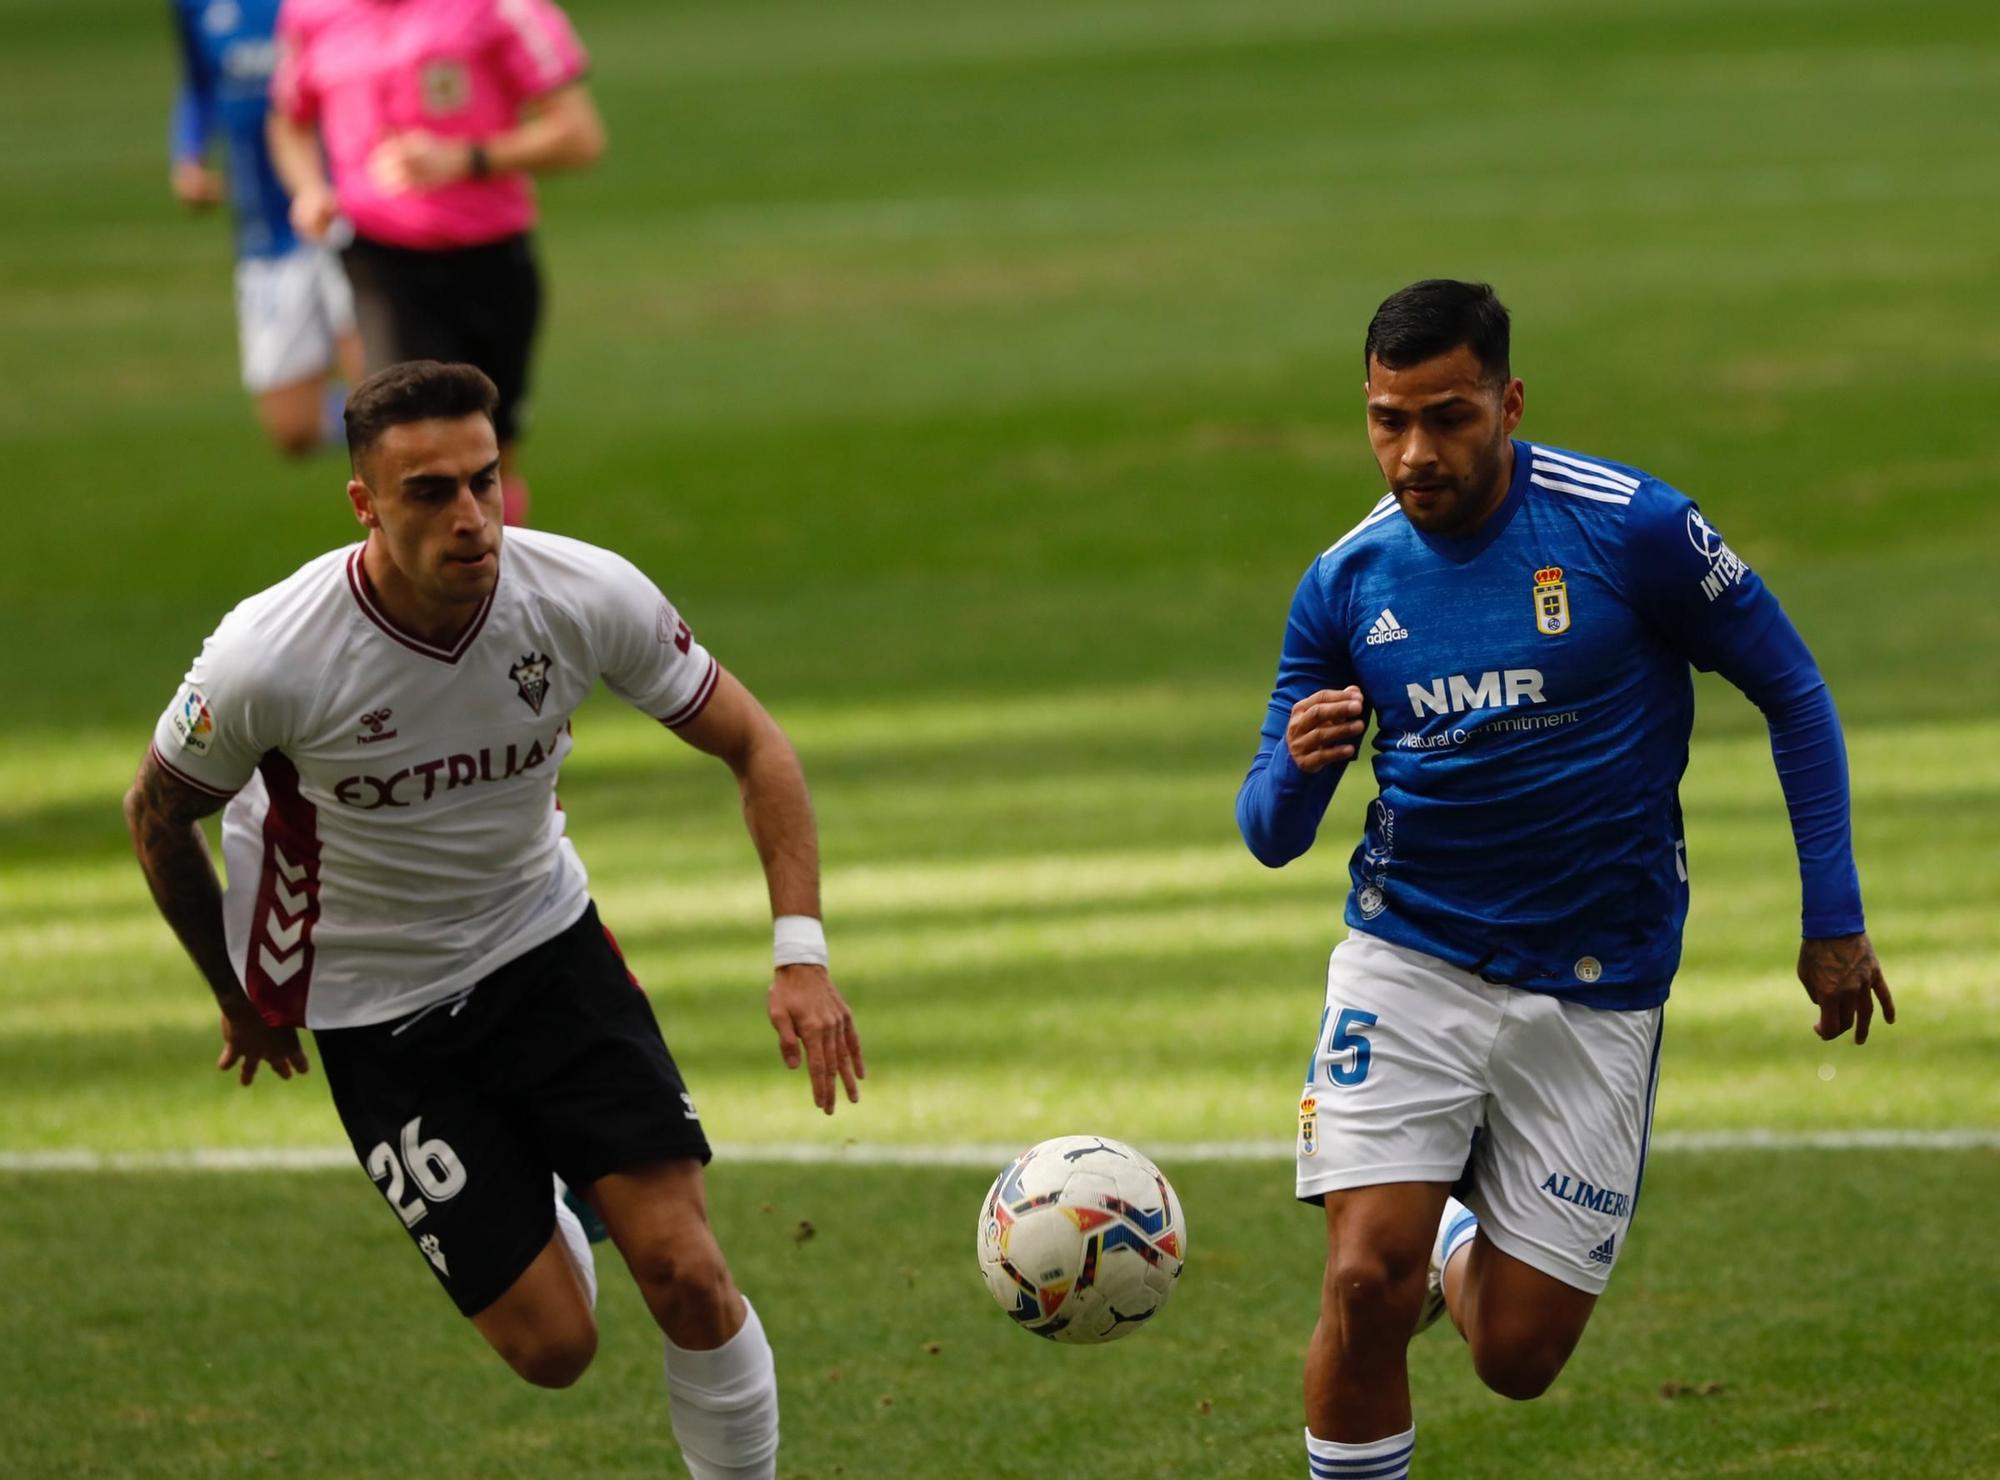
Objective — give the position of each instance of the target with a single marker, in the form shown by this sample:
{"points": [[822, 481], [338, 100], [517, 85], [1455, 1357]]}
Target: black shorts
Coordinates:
{"points": [[460, 1111], [475, 304]]}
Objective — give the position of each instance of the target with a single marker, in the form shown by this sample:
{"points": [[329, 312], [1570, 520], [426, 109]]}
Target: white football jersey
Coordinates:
{"points": [[393, 833]]}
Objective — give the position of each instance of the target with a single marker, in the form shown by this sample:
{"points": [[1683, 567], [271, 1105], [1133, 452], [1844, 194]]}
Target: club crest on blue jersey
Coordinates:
{"points": [[531, 676], [1551, 601]]}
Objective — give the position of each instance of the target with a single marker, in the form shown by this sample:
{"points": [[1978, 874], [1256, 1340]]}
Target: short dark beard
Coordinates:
{"points": [[1490, 493]]}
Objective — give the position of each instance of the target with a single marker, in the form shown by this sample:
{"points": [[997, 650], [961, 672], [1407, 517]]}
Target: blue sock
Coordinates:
{"points": [[1378, 1459]]}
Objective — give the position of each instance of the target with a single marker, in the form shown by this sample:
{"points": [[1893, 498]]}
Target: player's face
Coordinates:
{"points": [[1439, 429], [432, 492]]}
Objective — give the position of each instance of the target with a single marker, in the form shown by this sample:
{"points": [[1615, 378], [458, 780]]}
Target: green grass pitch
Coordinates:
{"points": [[979, 379]]}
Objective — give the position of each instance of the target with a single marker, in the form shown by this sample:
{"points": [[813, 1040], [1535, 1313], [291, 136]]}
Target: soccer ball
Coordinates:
{"points": [[1081, 1239]]}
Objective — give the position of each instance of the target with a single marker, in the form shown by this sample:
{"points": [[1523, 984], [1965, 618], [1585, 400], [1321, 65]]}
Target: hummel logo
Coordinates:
{"points": [[1605, 1252], [1386, 629]]}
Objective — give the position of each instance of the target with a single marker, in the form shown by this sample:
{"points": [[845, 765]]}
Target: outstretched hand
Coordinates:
{"points": [[1841, 974], [814, 1023], [250, 1041]]}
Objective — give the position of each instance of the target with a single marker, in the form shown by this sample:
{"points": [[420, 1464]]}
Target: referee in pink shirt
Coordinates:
{"points": [[432, 114]]}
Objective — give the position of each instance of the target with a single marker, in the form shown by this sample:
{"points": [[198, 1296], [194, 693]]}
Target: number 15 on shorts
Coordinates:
{"points": [[1344, 1051]]}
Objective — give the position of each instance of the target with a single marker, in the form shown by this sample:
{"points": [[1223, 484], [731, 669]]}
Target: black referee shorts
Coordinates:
{"points": [[481, 305], [461, 1110]]}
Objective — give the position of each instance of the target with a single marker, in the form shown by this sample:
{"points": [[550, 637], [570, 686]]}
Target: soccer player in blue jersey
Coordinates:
{"points": [[1519, 620], [294, 314]]}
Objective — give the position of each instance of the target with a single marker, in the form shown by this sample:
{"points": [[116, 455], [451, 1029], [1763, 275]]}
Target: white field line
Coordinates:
{"points": [[974, 1154]]}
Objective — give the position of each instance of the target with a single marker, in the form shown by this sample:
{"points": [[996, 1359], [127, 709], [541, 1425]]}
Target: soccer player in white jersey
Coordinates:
{"points": [[383, 732], [1520, 621]]}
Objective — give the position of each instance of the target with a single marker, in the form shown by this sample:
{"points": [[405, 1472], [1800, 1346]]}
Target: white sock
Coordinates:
{"points": [[578, 1245], [724, 1405], [1378, 1459]]}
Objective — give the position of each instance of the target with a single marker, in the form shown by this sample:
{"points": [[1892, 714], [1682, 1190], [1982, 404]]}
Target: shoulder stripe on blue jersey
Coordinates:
{"points": [[1611, 476], [1384, 507], [1577, 475], [1579, 490]]}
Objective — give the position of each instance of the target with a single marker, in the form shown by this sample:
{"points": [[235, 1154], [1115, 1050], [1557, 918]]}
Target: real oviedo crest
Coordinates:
{"points": [[1551, 602]]}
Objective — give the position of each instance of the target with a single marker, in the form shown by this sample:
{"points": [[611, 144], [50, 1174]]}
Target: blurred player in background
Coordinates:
{"points": [[294, 315], [433, 114], [1520, 620], [385, 728]]}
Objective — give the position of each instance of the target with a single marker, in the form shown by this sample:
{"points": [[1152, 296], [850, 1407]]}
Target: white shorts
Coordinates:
{"points": [[289, 312], [1420, 1066]]}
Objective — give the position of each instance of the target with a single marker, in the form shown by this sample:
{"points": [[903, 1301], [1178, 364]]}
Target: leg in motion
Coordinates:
{"points": [[1357, 1381], [722, 1384]]}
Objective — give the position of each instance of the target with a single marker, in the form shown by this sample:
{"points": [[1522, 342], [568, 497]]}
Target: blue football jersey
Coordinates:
{"points": [[227, 55], [1531, 698]]}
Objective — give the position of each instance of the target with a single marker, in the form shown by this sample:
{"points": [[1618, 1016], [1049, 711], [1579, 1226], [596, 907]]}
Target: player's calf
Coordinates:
{"points": [[687, 1286], [1520, 1323]]}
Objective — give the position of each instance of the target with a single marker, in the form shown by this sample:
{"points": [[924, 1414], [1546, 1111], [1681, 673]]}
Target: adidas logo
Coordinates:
{"points": [[1386, 629], [1605, 1252]]}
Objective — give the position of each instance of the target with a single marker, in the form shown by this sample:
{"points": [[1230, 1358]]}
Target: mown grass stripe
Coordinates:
{"points": [[972, 1154]]}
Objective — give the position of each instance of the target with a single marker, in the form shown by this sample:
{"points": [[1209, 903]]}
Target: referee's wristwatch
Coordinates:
{"points": [[477, 165]]}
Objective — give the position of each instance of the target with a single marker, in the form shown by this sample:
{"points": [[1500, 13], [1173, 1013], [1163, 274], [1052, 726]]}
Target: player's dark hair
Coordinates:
{"points": [[1434, 317], [416, 390]]}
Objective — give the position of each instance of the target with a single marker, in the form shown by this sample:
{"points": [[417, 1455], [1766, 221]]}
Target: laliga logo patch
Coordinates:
{"points": [[194, 725], [1551, 602], [1309, 1126], [531, 677]]}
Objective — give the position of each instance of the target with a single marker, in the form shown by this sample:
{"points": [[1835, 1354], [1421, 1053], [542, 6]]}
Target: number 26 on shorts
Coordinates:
{"points": [[1349, 1036], [434, 1167]]}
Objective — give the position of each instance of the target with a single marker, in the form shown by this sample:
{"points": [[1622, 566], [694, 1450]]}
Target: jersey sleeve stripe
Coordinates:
{"points": [[1574, 475], [1616, 479], [535, 38], [699, 702], [181, 776], [1579, 490]]}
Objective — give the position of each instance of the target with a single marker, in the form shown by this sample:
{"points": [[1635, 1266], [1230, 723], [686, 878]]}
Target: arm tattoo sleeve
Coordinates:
{"points": [[162, 814]]}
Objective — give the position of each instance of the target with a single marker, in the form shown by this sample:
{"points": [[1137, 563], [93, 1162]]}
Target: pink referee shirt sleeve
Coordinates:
{"points": [[536, 50], [292, 91]]}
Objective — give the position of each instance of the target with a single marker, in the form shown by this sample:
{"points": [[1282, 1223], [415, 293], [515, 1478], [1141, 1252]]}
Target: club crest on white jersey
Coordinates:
{"points": [[531, 676]]}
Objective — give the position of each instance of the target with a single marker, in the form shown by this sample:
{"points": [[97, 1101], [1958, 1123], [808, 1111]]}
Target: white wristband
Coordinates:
{"points": [[797, 940]]}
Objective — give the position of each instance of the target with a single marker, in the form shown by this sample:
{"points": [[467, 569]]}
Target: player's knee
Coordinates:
{"points": [[1374, 1291], [686, 1271], [556, 1361]]}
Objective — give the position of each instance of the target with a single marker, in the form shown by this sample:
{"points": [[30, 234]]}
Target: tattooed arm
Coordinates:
{"points": [[162, 813]]}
